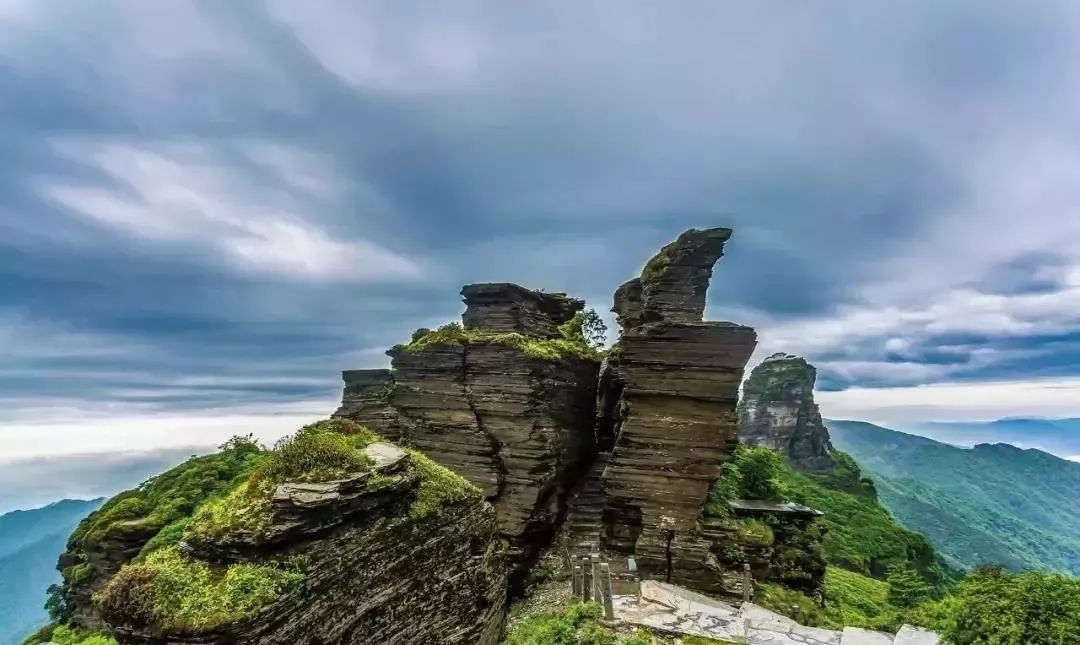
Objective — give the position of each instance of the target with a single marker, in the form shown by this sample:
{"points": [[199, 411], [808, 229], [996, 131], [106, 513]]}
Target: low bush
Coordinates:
{"points": [[173, 591]]}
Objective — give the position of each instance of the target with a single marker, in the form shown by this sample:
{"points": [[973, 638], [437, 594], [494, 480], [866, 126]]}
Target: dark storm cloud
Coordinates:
{"points": [[150, 152]]}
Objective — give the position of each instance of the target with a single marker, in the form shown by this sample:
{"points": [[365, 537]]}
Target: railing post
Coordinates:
{"points": [[605, 591], [586, 580], [575, 577], [747, 583], [596, 577]]}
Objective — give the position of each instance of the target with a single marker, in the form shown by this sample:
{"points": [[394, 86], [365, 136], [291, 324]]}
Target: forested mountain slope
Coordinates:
{"points": [[30, 542], [991, 504]]}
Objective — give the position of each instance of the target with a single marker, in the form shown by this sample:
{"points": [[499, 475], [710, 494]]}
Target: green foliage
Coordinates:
{"points": [[168, 498], [577, 624], [658, 264], [751, 473], [174, 591], [65, 635], [754, 532], [906, 587], [857, 600], [996, 608], [321, 451], [586, 327], [572, 341], [793, 604], [439, 487], [984, 505], [862, 536], [317, 452]]}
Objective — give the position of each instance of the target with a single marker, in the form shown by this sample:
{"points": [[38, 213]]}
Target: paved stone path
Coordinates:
{"points": [[675, 610]]}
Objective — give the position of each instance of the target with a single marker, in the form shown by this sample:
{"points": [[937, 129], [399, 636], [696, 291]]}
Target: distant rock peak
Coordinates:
{"points": [[777, 410]]}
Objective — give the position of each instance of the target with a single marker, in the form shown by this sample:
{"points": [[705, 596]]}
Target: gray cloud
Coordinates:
{"points": [[901, 178]]}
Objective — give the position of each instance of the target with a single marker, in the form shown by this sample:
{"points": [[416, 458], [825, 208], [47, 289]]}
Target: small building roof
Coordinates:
{"points": [[750, 506]]}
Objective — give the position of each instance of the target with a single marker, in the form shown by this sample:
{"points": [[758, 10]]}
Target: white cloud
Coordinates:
{"points": [[85, 428], [190, 193], [955, 401]]}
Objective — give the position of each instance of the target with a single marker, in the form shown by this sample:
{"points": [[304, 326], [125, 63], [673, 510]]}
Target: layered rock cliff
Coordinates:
{"points": [[334, 537], [778, 411], [507, 401], [668, 409]]}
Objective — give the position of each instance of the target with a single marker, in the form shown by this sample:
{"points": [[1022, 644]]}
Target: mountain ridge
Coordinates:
{"points": [[992, 503]]}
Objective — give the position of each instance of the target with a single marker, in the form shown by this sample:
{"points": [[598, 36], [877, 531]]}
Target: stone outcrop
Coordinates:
{"points": [[778, 411], [502, 307], [668, 408], [517, 424], [373, 572]]}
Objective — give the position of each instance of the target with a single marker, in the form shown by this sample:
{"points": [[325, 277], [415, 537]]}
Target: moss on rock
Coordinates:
{"points": [[176, 592]]}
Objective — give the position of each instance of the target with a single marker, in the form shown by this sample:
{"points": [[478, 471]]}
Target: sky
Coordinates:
{"points": [[209, 209]]}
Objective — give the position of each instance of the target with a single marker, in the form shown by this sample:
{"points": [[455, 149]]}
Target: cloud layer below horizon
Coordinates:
{"points": [[208, 209]]}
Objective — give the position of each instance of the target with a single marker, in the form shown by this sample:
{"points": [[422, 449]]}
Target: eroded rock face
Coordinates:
{"points": [[676, 379], [520, 427], [374, 572], [503, 307], [778, 411]]}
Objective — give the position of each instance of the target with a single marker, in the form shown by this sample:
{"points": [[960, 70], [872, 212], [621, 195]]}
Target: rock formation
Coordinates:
{"points": [[396, 551], [668, 409], [778, 411], [506, 401]]}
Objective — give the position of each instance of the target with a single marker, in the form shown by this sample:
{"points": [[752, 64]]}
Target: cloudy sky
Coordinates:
{"points": [[208, 209]]}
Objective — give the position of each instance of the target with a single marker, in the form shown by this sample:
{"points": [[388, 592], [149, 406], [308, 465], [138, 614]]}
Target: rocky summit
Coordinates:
{"points": [[441, 482], [778, 411]]}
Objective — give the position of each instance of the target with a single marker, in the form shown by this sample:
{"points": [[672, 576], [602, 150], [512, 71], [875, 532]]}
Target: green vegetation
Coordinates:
{"points": [[751, 473], [64, 635], [986, 505], [173, 591], [439, 487], [161, 507], [572, 342], [577, 624], [321, 451], [658, 263], [991, 606], [166, 502]]}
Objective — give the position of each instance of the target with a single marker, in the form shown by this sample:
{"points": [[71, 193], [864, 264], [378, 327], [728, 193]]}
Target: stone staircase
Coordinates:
{"points": [[584, 518], [673, 610]]}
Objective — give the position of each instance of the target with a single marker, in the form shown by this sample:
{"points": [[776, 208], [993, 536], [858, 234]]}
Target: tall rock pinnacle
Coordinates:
{"points": [[777, 410]]}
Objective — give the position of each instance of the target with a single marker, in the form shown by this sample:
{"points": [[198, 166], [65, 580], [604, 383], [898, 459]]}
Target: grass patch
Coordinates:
{"points": [[323, 451], [66, 635], [571, 342], [439, 487], [175, 592], [577, 624], [754, 532]]}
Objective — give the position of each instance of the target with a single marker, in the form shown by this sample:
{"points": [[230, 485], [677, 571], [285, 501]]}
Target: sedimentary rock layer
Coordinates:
{"points": [[676, 380], [778, 411], [502, 307], [374, 573], [518, 426], [679, 389]]}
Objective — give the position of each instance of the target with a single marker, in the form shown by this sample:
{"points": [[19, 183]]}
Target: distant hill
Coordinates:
{"points": [[1058, 436], [994, 503], [30, 543]]}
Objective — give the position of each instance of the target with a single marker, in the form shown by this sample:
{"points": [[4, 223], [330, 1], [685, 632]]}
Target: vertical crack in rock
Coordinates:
{"points": [[518, 424], [496, 447]]}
